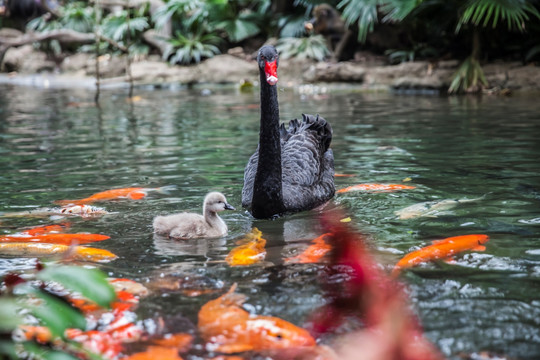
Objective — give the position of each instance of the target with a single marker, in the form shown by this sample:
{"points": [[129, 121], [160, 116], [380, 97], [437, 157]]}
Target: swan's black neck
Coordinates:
{"points": [[267, 190]]}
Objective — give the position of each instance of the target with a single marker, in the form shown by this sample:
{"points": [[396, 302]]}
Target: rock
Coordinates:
{"points": [[226, 69], [109, 66], [76, 62], [513, 76], [25, 59], [336, 72], [524, 78], [157, 71]]}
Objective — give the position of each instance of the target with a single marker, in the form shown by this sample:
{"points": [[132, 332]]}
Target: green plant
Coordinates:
{"points": [[312, 47], [179, 11], [30, 301], [481, 12], [76, 16], [126, 29], [237, 22], [469, 77], [473, 15], [192, 47]]}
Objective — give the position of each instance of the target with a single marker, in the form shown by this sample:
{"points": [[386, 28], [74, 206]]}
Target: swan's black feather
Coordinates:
{"points": [[296, 171], [307, 164]]}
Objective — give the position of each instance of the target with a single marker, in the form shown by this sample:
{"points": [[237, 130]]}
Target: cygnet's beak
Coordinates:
{"points": [[229, 207]]}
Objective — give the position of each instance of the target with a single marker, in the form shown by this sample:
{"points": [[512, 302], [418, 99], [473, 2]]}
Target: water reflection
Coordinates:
{"points": [[169, 247], [57, 145]]}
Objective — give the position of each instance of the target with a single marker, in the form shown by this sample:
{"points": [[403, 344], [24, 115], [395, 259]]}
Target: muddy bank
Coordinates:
{"points": [[26, 66]]}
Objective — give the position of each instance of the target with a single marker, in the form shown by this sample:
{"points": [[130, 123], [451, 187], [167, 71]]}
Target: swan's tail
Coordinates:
{"points": [[312, 123]]}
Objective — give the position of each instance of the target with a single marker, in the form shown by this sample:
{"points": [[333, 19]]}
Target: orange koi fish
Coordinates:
{"points": [[47, 229], [344, 175], [376, 187], [133, 193], [228, 328], [314, 253], [179, 341], [124, 301], [441, 249], [77, 252], [155, 353], [167, 347], [248, 253], [99, 342], [41, 334], [61, 239], [127, 285]]}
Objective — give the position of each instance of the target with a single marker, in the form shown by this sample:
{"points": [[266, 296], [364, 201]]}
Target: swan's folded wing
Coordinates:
{"points": [[308, 163], [303, 147], [249, 179]]}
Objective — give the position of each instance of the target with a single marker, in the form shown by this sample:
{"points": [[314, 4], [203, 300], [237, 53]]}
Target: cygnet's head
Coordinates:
{"points": [[216, 202]]}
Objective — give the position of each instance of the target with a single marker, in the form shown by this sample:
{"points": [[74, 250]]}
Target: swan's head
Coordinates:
{"points": [[268, 60], [215, 202]]}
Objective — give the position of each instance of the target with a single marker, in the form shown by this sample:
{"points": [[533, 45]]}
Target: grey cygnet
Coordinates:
{"points": [[191, 226]]}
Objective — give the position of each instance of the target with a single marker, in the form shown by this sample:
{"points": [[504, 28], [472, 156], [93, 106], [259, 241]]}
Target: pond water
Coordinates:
{"points": [[54, 144]]}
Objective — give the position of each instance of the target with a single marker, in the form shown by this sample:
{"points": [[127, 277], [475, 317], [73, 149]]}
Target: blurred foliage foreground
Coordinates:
{"points": [[188, 31], [41, 300]]}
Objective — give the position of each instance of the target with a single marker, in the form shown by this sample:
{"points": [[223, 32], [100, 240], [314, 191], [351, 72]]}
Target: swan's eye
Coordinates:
{"points": [[262, 57]]}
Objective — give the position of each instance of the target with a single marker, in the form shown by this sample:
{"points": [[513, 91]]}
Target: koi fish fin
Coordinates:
{"points": [[136, 195], [479, 248]]}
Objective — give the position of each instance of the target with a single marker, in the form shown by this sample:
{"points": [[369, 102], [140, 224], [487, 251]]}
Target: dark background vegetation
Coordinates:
{"points": [[188, 31]]}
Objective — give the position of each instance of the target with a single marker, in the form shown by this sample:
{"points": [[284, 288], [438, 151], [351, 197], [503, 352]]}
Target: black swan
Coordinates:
{"points": [[292, 169], [191, 226]]}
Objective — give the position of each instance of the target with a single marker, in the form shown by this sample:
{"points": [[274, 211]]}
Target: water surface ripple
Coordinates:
{"points": [[55, 144]]}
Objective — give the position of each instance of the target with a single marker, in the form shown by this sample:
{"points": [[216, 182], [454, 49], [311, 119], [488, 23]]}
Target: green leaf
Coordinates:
{"points": [[363, 12], [311, 47], [239, 29], [7, 350], [9, 317], [56, 314], [483, 12], [90, 283]]}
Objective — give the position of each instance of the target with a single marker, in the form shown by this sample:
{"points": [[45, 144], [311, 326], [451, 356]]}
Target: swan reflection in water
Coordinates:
{"points": [[283, 236], [166, 246]]}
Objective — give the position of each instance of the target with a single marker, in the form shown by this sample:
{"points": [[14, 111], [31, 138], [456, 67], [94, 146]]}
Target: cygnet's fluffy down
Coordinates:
{"points": [[190, 226]]}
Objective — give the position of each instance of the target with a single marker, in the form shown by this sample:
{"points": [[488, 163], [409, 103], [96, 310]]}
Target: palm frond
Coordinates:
{"points": [[363, 12], [312, 47], [483, 12], [468, 78]]}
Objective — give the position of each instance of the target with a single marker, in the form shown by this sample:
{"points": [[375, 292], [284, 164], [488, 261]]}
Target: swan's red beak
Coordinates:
{"points": [[270, 70]]}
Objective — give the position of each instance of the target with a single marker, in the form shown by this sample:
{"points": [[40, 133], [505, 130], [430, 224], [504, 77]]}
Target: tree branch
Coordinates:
{"points": [[62, 35]]}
